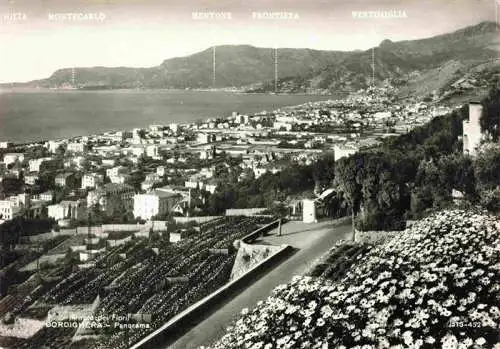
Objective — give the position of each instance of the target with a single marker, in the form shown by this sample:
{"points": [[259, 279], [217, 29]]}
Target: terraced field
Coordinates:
{"points": [[144, 276]]}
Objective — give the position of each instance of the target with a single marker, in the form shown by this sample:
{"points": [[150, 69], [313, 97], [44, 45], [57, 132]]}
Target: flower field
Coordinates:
{"points": [[134, 278], [436, 285]]}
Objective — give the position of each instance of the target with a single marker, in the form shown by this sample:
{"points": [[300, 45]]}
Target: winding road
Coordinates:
{"points": [[311, 242]]}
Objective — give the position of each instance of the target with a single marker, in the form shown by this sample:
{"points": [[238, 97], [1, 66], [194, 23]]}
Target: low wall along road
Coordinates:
{"points": [[180, 323]]}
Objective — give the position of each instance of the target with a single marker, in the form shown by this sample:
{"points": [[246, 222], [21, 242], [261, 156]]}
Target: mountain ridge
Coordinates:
{"points": [[300, 70]]}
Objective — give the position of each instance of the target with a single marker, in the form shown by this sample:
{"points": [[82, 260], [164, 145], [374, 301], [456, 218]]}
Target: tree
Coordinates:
{"points": [[487, 168], [135, 179], [490, 119], [323, 170], [346, 181], [12, 185]]}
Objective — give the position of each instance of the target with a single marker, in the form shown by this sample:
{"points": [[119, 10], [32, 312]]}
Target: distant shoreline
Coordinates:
{"points": [[90, 132], [44, 89]]}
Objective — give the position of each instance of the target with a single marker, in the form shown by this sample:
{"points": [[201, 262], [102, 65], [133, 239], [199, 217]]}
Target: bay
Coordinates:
{"points": [[34, 115]]}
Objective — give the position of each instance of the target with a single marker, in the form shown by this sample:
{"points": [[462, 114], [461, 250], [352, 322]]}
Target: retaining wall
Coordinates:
{"points": [[121, 227], [178, 325], [47, 236], [201, 219], [114, 243], [255, 254], [261, 231], [245, 211]]}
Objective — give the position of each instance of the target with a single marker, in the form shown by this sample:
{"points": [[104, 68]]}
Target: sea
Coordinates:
{"points": [[35, 115]]}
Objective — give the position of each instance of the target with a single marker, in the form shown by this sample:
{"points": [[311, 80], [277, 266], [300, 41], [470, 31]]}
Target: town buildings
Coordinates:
{"points": [[203, 155]]}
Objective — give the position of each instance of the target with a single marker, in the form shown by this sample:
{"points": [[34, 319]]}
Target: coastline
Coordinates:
{"points": [[340, 96], [172, 90]]}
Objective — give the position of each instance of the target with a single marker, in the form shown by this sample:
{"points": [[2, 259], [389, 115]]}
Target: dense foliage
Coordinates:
{"points": [[414, 174], [434, 285], [11, 231], [490, 120], [261, 192]]}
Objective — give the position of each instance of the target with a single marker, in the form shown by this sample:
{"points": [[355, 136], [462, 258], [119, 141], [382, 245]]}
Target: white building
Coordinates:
{"points": [[35, 164], [207, 172], [191, 183], [138, 151], [52, 146], [76, 147], [259, 171], [12, 158], [472, 134], [119, 179], [67, 210], [8, 210], [156, 128], [77, 161], [308, 211], [175, 236], [174, 127], [115, 171], [282, 125], [108, 162], [92, 180], [152, 151], [46, 196], [211, 187], [241, 119], [31, 178], [157, 202], [161, 171], [381, 115], [65, 179], [203, 138]]}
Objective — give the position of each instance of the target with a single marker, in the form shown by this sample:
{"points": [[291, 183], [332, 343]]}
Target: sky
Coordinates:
{"points": [[37, 37]]}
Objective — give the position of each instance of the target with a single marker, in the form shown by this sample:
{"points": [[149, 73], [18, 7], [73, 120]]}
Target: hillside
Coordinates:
{"points": [[431, 286], [405, 63], [408, 64]]}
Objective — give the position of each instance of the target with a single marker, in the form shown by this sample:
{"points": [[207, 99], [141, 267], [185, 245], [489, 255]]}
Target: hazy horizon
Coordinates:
{"points": [[36, 38]]}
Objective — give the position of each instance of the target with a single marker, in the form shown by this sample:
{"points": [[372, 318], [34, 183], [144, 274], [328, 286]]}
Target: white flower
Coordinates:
{"points": [[467, 342], [430, 340], [480, 341], [327, 311], [312, 305], [407, 337], [449, 341]]}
